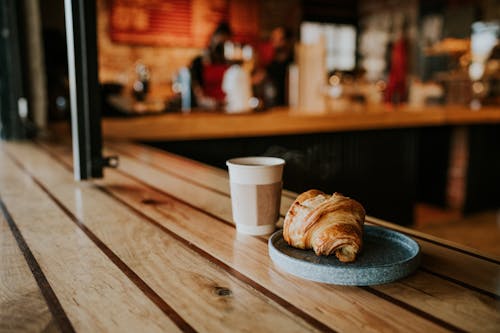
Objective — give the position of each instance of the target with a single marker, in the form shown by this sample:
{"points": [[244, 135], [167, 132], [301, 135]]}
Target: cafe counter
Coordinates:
{"points": [[198, 125], [152, 247]]}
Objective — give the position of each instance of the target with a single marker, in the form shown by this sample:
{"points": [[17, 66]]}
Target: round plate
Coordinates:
{"points": [[386, 256]]}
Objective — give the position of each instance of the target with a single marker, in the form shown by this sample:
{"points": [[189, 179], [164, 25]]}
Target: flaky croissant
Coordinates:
{"points": [[326, 224]]}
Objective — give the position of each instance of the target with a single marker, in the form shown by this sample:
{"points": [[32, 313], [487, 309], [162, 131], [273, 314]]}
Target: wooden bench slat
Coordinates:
{"points": [[446, 302], [443, 299], [483, 274], [209, 298], [217, 179], [205, 175], [248, 255], [94, 293], [22, 306]]}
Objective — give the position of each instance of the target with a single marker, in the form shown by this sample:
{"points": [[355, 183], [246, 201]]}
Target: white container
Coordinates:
{"points": [[238, 88], [256, 184]]}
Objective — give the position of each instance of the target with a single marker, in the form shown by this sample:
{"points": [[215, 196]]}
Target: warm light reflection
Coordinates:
{"points": [[478, 87], [334, 80]]}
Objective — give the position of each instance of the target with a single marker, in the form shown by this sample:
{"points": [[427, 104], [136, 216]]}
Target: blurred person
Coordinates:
{"points": [[397, 90], [274, 58], [207, 71]]}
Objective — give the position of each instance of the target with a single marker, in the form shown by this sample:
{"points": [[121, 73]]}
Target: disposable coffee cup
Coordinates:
{"points": [[256, 184]]}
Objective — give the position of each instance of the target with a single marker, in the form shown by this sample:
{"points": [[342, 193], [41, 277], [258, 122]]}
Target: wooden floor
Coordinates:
{"points": [[480, 230]]}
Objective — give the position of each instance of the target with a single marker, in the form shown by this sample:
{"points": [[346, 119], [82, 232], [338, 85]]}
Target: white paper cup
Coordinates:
{"points": [[256, 184]]}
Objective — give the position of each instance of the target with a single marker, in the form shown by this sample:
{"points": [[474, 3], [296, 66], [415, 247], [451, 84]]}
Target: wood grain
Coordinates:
{"points": [[436, 240], [204, 174], [448, 309], [22, 306], [341, 308], [208, 297], [284, 121], [201, 174], [155, 199], [248, 255], [95, 293], [145, 214], [458, 305], [438, 258]]}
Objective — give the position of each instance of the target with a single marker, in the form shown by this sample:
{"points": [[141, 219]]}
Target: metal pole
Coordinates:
{"points": [[80, 17]]}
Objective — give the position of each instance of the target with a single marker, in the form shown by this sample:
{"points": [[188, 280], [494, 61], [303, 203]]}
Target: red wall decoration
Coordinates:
{"points": [[186, 23]]}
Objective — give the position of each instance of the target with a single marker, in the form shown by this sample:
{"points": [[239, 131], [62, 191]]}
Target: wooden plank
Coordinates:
{"points": [[22, 306], [204, 174], [94, 293], [441, 259], [161, 207], [209, 297], [213, 202], [468, 310], [439, 255], [435, 240], [216, 179], [447, 260], [423, 290], [201, 174], [417, 297]]}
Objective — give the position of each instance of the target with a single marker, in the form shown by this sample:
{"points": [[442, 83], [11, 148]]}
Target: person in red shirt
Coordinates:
{"points": [[396, 91], [207, 71]]}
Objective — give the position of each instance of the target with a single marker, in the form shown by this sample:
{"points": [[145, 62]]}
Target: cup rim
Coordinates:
{"points": [[261, 162]]}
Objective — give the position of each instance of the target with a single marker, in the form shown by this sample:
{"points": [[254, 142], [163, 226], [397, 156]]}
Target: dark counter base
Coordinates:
{"points": [[434, 144], [483, 173]]}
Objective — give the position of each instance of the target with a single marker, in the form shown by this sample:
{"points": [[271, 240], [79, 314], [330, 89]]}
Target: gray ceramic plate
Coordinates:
{"points": [[386, 256]]}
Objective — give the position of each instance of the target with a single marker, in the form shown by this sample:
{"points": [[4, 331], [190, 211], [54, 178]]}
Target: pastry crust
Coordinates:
{"points": [[325, 223]]}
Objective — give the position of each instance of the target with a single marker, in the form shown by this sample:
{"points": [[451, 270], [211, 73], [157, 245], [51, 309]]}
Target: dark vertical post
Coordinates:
{"points": [[80, 16], [11, 72]]}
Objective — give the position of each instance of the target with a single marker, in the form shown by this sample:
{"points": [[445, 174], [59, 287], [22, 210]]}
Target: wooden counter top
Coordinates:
{"points": [[282, 121], [152, 247]]}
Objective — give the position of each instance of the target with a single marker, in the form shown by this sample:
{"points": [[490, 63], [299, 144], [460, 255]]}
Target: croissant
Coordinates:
{"points": [[325, 223]]}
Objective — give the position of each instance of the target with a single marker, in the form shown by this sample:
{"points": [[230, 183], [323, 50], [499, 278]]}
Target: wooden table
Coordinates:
{"points": [[152, 247]]}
